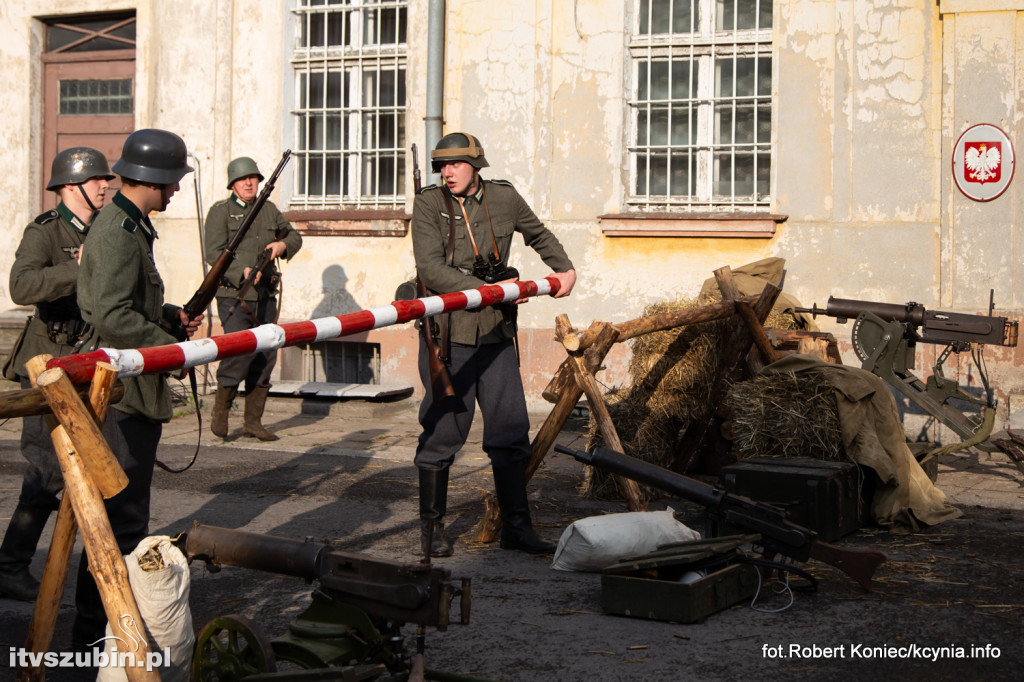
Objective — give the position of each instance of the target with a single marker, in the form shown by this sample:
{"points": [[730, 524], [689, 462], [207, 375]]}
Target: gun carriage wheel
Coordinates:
{"points": [[231, 648], [868, 333]]}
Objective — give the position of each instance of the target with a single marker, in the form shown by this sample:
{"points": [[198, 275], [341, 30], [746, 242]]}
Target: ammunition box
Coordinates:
{"points": [[822, 496], [649, 586]]}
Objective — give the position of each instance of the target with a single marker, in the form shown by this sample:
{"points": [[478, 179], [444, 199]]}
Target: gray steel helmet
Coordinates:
{"points": [[77, 165], [242, 167], [458, 147], [154, 156]]}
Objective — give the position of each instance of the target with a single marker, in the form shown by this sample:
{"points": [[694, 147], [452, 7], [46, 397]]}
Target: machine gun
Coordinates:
{"points": [[352, 625], [885, 337], [778, 534], [207, 291]]}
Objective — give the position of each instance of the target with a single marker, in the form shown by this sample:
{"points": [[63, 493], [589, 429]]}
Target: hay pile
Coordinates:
{"points": [[672, 378], [785, 415]]}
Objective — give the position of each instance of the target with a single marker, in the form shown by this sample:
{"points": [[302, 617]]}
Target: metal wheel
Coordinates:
{"points": [[231, 648]]}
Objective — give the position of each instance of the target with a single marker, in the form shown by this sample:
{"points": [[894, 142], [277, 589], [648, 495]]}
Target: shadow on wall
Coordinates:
{"points": [[336, 299]]}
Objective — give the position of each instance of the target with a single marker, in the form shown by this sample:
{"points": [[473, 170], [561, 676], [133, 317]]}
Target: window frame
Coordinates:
{"points": [[701, 50], [352, 60]]}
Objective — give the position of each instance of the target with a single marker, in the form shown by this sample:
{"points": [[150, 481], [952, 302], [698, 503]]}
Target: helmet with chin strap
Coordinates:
{"points": [[458, 147], [77, 165]]}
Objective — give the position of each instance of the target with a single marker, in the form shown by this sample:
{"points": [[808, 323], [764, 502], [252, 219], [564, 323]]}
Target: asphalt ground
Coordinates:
{"points": [[945, 601]]}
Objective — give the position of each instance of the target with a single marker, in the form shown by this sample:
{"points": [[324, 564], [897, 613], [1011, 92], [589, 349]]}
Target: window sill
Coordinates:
{"points": [[349, 223], [711, 225]]}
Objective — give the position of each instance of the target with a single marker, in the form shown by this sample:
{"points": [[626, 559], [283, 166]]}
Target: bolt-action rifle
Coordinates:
{"points": [[440, 382], [778, 534], [207, 291], [885, 338]]}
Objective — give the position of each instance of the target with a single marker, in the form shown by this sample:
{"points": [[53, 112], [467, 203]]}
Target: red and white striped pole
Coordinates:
{"points": [[187, 354]]}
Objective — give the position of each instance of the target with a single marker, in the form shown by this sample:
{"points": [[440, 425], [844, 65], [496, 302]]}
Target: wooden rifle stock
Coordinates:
{"points": [[440, 381], [777, 533], [207, 291]]}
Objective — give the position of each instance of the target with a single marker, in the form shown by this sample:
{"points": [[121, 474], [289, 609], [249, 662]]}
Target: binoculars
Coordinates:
{"points": [[492, 271]]}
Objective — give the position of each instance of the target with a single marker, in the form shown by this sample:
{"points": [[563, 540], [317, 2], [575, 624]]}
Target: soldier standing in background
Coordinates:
{"points": [[121, 294], [45, 274], [270, 231], [460, 230]]}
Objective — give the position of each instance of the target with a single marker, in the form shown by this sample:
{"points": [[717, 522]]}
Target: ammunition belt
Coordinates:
{"points": [[67, 331]]}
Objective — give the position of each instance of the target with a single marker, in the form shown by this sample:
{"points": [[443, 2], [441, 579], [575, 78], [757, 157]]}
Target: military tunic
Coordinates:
{"points": [[507, 212], [45, 274], [121, 294], [481, 361], [222, 222]]}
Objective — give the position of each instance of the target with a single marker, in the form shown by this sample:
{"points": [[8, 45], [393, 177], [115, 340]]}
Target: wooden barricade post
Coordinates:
{"points": [[79, 444], [62, 543]]}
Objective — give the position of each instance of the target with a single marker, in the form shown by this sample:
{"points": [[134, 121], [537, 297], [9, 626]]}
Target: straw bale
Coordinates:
{"points": [[672, 379], [785, 415]]}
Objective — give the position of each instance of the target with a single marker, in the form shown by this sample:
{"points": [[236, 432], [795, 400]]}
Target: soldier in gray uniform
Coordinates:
{"points": [[460, 231], [45, 274], [121, 294], [269, 231]]}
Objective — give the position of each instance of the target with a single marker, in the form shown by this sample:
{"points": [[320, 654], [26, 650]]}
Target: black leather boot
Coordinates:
{"points": [[16, 552], [433, 505], [516, 527]]}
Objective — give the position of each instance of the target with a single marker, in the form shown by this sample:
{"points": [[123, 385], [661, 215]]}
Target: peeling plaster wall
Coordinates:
{"points": [[869, 97]]}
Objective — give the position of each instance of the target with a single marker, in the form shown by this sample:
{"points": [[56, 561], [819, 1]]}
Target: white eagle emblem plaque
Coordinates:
{"points": [[983, 162]]}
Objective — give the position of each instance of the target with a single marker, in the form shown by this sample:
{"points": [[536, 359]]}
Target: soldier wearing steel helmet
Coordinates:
{"points": [[45, 275], [121, 294], [466, 222], [271, 231]]}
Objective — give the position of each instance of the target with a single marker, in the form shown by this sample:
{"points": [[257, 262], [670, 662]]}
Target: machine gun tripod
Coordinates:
{"points": [[885, 338]]}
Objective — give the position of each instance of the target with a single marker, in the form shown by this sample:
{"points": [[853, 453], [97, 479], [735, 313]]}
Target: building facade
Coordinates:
{"points": [[659, 139]]}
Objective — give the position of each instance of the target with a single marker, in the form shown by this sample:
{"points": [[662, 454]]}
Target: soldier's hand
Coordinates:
{"points": [[190, 325], [566, 281], [277, 249], [513, 281], [245, 276]]}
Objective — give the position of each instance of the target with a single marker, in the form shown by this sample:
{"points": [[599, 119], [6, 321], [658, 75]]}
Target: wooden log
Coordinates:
{"points": [[105, 560], [81, 428], [733, 356], [656, 323], [62, 543], [764, 346], [490, 522], [726, 284], [28, 402], [564, 376], [634, 496], [564, 333]]}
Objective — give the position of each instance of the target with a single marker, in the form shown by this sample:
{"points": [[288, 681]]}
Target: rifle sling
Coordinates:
{"points": [[199, 420]]}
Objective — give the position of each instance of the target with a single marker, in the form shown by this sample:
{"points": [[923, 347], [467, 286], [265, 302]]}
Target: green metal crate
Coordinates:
{"points": [[648, 586]]}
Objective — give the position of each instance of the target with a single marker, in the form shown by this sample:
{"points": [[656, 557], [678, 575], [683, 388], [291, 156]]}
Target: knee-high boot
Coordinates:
{"points": [[221, 407], [16, 552], [255, 401], [433, 505], [516, 526]]}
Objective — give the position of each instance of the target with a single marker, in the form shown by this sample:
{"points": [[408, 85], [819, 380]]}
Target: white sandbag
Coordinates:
{"points": [[595, 542], [160, 582]]}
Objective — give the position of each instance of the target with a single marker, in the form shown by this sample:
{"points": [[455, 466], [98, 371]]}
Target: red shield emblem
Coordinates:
{"points": [[982, 161]]}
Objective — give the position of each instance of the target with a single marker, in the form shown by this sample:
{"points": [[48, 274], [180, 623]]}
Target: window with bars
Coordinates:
{"points": [[350, 104], [700, 108]]}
